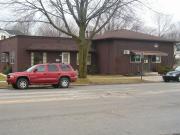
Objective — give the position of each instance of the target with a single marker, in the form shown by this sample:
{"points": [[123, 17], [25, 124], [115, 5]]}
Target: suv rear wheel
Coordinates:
{"points": [[64, 82], [22, 83]]}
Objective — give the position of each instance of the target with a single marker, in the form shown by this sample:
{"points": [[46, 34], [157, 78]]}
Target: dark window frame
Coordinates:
{"points": [[12, 58], [154, 59], [4, 57], [135, 59]]}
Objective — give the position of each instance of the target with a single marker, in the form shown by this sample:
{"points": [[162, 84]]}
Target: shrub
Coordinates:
{"points": [[164, 69], [92, 70], [7, 69]]}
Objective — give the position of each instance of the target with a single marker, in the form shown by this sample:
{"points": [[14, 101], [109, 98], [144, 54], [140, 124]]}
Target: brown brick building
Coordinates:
{"points": [[115, 52]]}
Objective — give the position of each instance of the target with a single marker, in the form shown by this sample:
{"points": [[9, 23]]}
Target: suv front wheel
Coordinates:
{"points": [[22, 83], [64, 82]]}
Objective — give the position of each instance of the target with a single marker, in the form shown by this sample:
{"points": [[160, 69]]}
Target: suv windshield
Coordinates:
{"points": [[178, 68], [30, 69]]}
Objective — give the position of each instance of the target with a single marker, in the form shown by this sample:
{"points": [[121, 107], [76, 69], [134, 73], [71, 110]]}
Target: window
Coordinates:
{"points": [[65, 67], [32, 58], [37, 58], [88, 59], [4, 57], [156, 59], [44, 57], [53, 68], [178, 47], [66, 58], [41, 68], [3, 37], [135, 58], [12, 58]]}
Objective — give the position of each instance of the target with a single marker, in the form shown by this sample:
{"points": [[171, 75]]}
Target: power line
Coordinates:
{"points": [[150, 8]]}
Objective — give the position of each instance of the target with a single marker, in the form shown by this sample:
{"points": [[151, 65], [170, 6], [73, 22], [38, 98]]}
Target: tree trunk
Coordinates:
{"points": [[82, 55], [83, 47]]}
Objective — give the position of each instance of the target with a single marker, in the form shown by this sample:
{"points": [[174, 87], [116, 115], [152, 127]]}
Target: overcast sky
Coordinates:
{"points": [[170, 7]]}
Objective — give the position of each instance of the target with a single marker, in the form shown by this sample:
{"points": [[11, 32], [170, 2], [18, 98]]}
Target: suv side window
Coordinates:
{"points": [[40, 68], [52, 68], [65, 67]]}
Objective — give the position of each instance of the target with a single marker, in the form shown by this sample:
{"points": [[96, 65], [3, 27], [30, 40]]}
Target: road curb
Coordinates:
{"points": [[90, 84]]}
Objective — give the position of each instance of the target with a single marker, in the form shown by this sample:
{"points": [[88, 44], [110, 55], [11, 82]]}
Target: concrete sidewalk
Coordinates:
{"points": [[156, 78]]}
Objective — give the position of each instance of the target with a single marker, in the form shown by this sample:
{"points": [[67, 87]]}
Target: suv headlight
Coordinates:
{"points": [[173, 75]]}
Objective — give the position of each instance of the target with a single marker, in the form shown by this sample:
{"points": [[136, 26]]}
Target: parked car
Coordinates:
{"points": [[172, 75], [57, 75]]}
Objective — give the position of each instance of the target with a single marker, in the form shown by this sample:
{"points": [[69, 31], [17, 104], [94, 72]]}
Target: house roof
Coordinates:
{"points": [[13, 32], [132, 35]]}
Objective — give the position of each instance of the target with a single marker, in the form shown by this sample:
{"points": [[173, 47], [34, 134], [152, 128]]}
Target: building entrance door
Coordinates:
{"points": [[38, 58], [147, 64]]}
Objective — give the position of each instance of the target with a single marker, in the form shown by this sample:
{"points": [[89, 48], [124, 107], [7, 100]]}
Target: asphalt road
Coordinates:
{"points": [[136, 109]]}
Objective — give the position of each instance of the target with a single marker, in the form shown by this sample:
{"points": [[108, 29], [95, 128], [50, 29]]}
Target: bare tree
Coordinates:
{"points": [[174, 32], [79, 13], [163, 23], [22, 25], [123, 19], [137, 25], [25, 28], [149, 30], [47, 30], [127, 21]]}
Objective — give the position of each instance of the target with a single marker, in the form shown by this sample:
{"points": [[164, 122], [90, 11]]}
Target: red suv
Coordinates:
{"points": [[57, 75]]}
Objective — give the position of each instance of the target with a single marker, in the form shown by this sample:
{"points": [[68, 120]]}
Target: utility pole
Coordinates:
{"points": [[142, 65]]}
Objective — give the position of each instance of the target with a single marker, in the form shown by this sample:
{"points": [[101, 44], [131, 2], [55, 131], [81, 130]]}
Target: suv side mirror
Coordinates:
{"points": [[35, 70]]}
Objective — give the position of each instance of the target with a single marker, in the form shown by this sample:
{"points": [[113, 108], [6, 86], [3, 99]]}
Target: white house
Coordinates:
{"points": [[9, 33]]}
